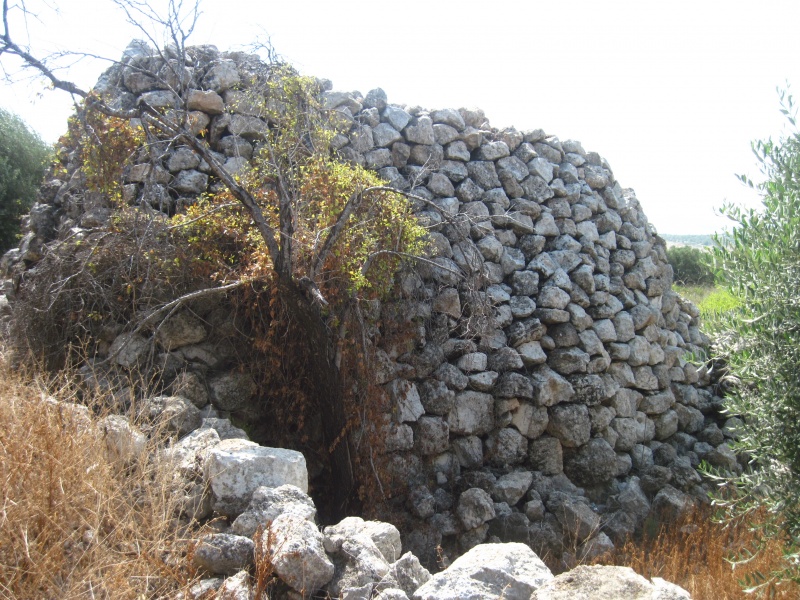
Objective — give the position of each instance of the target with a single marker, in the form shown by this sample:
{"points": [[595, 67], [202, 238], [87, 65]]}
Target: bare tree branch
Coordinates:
{"points": [[172, 306]]}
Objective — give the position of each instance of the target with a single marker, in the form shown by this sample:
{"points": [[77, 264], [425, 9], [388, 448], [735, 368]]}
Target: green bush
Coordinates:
{"points": [[690, 266], [23, 156], [759, 262]]}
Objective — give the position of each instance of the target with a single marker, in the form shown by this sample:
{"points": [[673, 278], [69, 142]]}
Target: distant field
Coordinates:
{"points": [[688, 240]]}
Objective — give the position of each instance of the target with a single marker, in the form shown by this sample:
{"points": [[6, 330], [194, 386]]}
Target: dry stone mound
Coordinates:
{"points": [[548, 380]]}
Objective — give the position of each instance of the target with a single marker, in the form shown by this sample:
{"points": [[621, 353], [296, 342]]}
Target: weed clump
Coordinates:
{"points": [[75, 523], [712, 560]]}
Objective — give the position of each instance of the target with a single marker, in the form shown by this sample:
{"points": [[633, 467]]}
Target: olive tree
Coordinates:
{"points": [[759, 261]]}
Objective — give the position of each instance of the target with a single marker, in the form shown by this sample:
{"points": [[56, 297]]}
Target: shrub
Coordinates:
{"points": [[690, 266], [23, 156], [759, 261]]}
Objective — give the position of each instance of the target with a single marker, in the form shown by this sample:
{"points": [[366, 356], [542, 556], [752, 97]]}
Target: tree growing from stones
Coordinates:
{"points": [[307, 232]]}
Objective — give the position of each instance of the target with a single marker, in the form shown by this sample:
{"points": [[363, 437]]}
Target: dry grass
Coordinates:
{"points": [[696, 554], [72, 523]]}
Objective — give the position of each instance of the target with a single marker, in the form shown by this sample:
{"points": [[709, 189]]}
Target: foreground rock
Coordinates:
{"points": [[236, 468], [509, 571], [608, 583], [297, 555]]}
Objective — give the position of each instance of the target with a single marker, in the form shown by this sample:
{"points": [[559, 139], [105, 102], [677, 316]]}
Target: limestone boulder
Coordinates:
{"points": [[124, 442], [231, 391], [511, 571], [179, 330], [609, 583], [234, 469], [267, 504], [358, 562], [385, 536], [223, 553], [297, 554], [475, 507], [406, 574], [175, 414]]}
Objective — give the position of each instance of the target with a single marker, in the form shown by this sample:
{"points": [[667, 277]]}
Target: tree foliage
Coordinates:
{"points": [[759, 261], [691, 266], [23, 156]]}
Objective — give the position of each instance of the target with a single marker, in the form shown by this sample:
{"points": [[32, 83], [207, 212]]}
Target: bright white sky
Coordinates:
{"points": [[670, 92]]}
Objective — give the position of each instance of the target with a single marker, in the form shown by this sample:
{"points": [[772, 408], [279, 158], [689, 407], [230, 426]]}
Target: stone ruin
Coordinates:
{"points": [[546, 396]]}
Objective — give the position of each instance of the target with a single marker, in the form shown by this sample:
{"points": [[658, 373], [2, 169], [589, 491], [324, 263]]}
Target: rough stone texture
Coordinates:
{"points": [[405, 397], [510, 488], [190, 386], [297, 553], [593, 464], [576, 517], [544, 337], [267, 504], [224, 428], [237, 587], [385, 536], [180, 330], [128, 349], [570, 423], [357, 562], [231, 391], [235, 468], [473, 414], [509, 571], [173, 413], [407, 574], [609, 583], [224, 553], [124, 442], [475, 507]]}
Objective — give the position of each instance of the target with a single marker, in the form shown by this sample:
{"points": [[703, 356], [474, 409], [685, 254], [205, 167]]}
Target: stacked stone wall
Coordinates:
{"points": [[546, 383]]}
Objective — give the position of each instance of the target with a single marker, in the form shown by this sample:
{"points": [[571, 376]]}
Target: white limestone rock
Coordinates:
{"points": [[125, 443], [385, 536], [235, 468], [267, 504], [297, 554], [511, 571], [609, 583]]}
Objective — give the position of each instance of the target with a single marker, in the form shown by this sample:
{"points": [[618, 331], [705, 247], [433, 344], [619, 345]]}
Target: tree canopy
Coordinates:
{"points": [[759, 261], [23, 156]]}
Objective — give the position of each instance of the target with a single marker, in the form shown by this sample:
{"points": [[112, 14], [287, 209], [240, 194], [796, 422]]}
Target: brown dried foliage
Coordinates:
{"points": [[700, 554], [73, 524], [83, 287]]}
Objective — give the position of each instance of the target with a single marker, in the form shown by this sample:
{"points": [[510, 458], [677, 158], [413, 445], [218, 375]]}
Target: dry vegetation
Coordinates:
{"points": [[73, 524], [697, 553]]}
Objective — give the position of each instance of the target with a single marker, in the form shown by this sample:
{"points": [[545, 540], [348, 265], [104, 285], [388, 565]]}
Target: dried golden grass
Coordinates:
{"points": [[73, 524], [696, 553]]}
